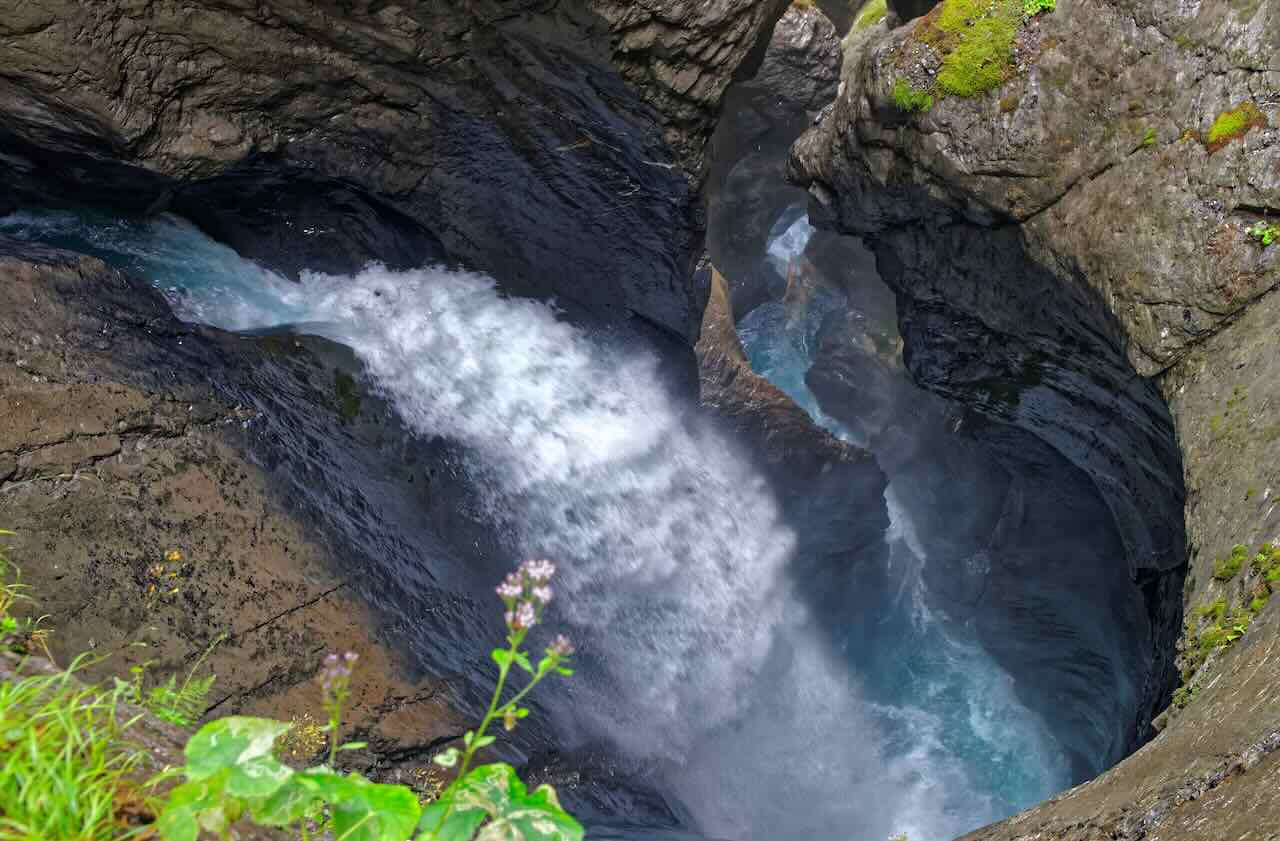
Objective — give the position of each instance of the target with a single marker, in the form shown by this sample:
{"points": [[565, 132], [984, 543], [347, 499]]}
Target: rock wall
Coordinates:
{"points": [[141, 520], [515, 138], [1071, 254]]}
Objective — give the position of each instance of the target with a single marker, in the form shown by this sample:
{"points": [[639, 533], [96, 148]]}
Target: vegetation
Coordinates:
{"points": [[1149, 138], [66, 767], [871, 13], [69, 772], [1226, 569], [1234, 124], [977, 41], [1265, 233], [909, 98], [1217, 625]]}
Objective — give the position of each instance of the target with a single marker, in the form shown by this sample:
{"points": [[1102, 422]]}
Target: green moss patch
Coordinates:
{"points": [[1234, 124], [977, 40], [1265, 233], [1225, 569], [870, 14]]}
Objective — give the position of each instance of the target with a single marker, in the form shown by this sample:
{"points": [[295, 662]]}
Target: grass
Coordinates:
{"points": [[871, 13], [68, 771], [1233, 125]]}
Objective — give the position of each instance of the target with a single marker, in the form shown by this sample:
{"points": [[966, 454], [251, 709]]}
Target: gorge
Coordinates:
{"points": [[880, 496]]}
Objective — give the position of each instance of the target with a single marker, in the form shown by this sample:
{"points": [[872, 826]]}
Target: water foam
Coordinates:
{"points": [[673, 551]]}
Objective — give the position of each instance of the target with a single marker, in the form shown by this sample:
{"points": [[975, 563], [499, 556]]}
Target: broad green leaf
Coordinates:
{"points": [[286, 805], [178, 821], [258, 777], [228, 742], [490, 787], [500, 830], [460, 824], [376, 812], [518, 815]]}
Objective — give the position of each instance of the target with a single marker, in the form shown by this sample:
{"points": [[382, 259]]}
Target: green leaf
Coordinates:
{"points": [[178, 821], [517, 814], [286, 805], [459, 826], [501, 656], [229, 742], [565, 670], [258, 777], [522, 660], [373, 812], [354, 746], [484, 741]]}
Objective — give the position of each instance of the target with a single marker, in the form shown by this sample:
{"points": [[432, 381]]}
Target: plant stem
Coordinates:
{"points": [[504, 669]]}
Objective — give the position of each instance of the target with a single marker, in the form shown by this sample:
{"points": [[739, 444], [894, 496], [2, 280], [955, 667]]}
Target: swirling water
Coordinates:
{"points": [[704, 661]]}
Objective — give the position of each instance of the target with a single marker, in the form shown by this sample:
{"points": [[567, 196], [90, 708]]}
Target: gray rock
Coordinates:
{"points": [[1069, 252], [514, 138]]}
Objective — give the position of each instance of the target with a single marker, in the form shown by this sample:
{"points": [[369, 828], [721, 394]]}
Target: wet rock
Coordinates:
{"points": [[832, 493], [802, 64], [1070, 251], [513, 138], [145, 516], [763, 116]]}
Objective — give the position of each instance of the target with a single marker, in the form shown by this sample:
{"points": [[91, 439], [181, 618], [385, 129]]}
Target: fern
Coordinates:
{"points": [[181, 704]]}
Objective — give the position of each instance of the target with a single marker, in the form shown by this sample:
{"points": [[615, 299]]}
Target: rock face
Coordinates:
{"points": [[514, 138], [1070, 251], [104, 472], [763, 116], [832, 493]]}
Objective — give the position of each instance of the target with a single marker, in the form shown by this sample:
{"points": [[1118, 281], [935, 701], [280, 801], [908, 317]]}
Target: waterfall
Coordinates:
{"points": [[673, 552]]}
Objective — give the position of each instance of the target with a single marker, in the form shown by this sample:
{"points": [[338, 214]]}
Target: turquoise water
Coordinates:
{"points": [[673, 552]]}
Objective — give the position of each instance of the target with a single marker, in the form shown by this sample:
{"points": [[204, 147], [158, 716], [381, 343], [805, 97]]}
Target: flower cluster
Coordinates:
{"points": [[560, 646], [525, 592], [337, 672]]}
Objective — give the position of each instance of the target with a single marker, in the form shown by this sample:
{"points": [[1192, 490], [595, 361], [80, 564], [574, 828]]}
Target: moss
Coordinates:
{"points": [[346, 395], [1149, 138], [909, 98], [1265, 233], [983, 34], [871, 13], [1234, 124], [1226, 569], [1009, 104], [1217, 609], [976, 39]]}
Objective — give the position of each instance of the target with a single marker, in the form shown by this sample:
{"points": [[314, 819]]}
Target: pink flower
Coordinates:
{"points": [[561, 646]]}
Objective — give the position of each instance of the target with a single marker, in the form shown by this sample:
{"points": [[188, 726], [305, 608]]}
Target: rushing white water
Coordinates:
{"points": [[673, 552]]}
